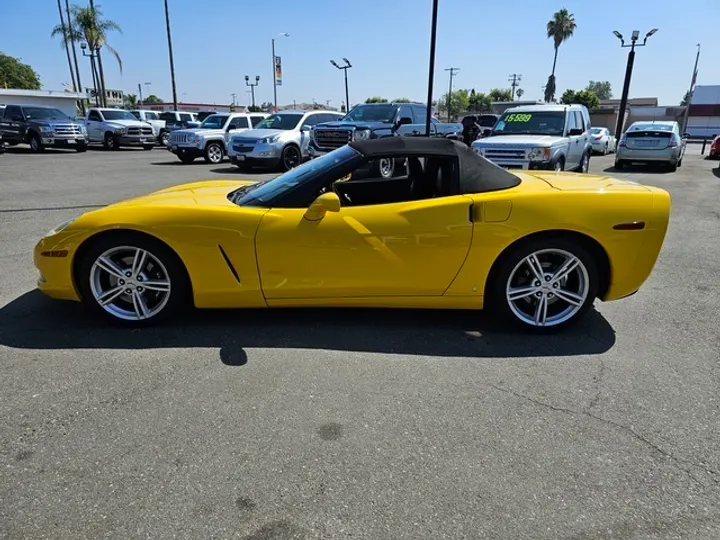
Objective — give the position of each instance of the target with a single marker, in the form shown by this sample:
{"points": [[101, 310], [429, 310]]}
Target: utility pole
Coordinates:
{"points": [[691, 91], [170, 53], [74, 51], [140, 92], [514, 81], [453, 71], [628, 72]]}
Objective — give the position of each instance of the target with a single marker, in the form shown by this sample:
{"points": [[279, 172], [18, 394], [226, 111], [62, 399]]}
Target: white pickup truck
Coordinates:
{"points": [[152, 118], [116, 127], [210, 139]]}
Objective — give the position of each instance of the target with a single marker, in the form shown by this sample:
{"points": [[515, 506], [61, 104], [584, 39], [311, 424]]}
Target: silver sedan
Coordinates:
{"points": [[603, 142]]}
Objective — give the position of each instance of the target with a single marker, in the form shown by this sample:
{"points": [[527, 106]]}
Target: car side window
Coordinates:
{"points": [[420, 114], [572, 121], [94, 116], [414, 178], [185, 117], [406, 112], [136, 115], [311, 120], [167, 116], [240, 122], [255, 120], [579, 122], [11, 111]]}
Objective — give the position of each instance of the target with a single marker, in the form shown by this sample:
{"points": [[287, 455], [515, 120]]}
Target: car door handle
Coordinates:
{"points": [[415, 132]]}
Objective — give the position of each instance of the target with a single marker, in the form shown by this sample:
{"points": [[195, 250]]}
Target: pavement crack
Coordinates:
{"points": [[676, 461], [598, 380]]}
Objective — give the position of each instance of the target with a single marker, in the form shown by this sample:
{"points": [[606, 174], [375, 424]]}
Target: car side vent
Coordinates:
{"points": [[229, 264]]}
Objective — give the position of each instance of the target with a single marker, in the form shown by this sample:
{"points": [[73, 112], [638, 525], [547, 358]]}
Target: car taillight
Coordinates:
{"points": [[674, 142], [622, 141], [597, 137]]}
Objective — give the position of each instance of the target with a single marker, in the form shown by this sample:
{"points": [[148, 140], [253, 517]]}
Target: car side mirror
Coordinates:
{"points": [[574, 132], [305, 128], [686, 136], [404, 121], [327, 202]]}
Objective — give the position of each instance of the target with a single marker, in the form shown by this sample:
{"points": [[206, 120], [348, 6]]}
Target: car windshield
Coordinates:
{"points": [[214, 121], [372, 113], [258, 194], [40, 113], [151, 116], [117, 115], [280, 121], [530, 123]]}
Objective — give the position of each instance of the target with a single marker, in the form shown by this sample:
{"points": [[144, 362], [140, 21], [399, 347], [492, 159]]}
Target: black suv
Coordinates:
{"points": [[42, 127]]}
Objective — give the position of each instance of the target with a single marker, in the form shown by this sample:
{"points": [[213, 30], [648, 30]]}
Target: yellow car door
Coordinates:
{"points": [[411, 248]]}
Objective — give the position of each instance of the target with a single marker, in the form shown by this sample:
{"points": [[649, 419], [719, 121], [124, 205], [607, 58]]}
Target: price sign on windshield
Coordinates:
{"points": [[518, 117]]}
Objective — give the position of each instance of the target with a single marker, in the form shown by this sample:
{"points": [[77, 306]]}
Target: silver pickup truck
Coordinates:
{"points": [[376, 120]]}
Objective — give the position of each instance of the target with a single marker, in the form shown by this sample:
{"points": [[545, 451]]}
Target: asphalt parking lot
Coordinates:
{"points": [[355, 424]]}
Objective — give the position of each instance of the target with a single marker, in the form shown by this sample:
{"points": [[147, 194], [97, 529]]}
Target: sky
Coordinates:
{"points": [[216, 43]]}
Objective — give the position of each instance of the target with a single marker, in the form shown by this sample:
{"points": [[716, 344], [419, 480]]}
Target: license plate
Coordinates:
{"points": [[240, 158], [143, 141], [174, 146], [71, 141]]}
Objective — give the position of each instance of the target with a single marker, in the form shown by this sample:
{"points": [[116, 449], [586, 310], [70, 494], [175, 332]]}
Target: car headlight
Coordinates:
{"points": [[83, 130], [121, 131], [539, 154], [271, 139], [46, 129], [361, 134], [64, 225]]}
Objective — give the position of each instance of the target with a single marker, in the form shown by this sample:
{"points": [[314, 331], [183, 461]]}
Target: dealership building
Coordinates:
{"points": [[704, 113]]}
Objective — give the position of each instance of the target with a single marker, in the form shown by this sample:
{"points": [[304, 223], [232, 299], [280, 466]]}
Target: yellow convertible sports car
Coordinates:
{"points": [[448, 230]]}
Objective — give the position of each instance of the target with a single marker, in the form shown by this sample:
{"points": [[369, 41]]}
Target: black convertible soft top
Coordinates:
{"points": [[477, 174]]}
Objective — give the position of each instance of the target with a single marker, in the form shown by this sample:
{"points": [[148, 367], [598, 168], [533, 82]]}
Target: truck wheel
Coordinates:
{"points": [[148, 147], [36, 144], [559, 165], [214, 153], [109, 142], [384, 167], [81, 147]]}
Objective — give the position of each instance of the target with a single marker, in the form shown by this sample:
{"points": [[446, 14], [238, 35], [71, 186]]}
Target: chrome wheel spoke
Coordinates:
{"points": [[535, 267], [569, 297], [520, 292], [110, 295], [110, 267], [568, 266], [141, 309], [138, 261], [541, 311], [156, 285]]}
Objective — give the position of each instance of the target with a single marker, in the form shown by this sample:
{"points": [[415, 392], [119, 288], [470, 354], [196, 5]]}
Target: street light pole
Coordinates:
{"points": [[452, 71], [431, 69], [91, 56], [284, 34], [347, 66], [628, 72], [252, 87], [691, 91]]}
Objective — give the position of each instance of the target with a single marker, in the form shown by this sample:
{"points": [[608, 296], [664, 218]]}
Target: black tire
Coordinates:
{"points": [[680, 162], [81, 147], [584, 166], [559, 165], [180, 290], [495, 290], [187, 160], [290, 158], [36, 145], [148, 147], [214, 153], [163, 137], [384, 168], [110, 142], [672, 167], [619, 165], [606, 150]]}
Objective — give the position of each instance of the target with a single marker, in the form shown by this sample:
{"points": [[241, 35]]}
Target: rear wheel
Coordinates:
{"points": [[672, 167], [384, 167], [187, 160], [584, 163], [619, 165], [132, 279], [606, 150], [544, 284]]}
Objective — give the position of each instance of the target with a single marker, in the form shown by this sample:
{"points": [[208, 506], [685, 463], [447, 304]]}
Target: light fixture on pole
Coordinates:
{"points": [[252, 86], [628, 72], [277, 69], [344, 68], [91, 56]]}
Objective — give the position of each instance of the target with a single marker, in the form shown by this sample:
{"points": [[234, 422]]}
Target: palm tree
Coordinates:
{"points": [[89, 26], [559, 28]]}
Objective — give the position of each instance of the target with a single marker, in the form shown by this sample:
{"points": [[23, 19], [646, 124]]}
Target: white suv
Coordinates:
{"points": [[209, 140]]}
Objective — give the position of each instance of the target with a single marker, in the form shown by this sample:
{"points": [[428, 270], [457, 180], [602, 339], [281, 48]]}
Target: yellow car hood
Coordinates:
{"points": [[586, 182], [203, 193]]}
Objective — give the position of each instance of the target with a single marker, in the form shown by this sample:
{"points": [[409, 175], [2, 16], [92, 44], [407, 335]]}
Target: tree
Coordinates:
{"points": [[15, 74], [500, 94], [152, 99], [459, 102], [601, 89], [130, 99], [254, 108], [560, 28], [479, 102], [267, 107], [88, 25], [686, 99], [401, 100], [519, 92], [376, 99], [583, 97]]}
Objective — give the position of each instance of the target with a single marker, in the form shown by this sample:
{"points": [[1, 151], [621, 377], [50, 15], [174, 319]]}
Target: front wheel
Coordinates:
{"points": [[544, 284], [214, 153], [131, 279], [584, 163], [36, 144], [187, 160], [110, 142], [82, 147], [148, 147], [290, 158], [384, 168]]}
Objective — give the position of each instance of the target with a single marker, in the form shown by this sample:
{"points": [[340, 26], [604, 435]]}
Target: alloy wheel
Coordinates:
{"points": [[387, 167], [214, 153], [291, 157], [130, 283], [547, 288], [585, 166]]}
